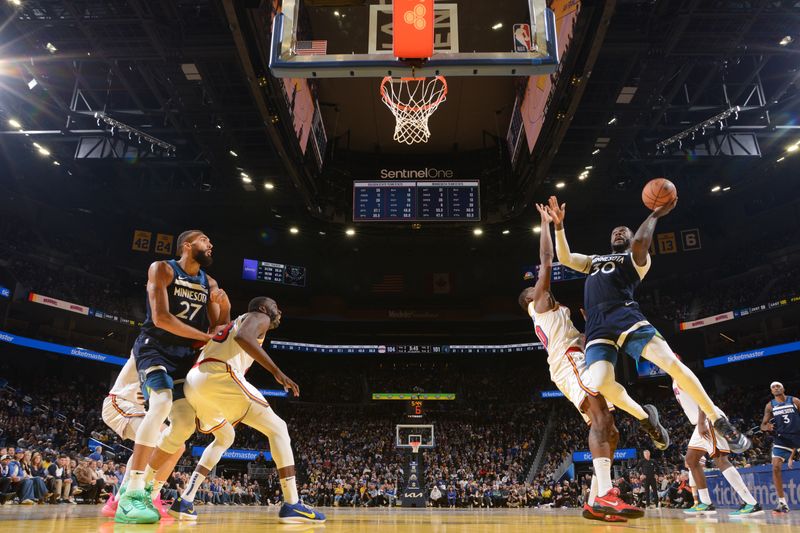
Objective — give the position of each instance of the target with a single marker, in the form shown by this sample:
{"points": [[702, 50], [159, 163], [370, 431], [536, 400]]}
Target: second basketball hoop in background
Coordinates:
{"points": [[412, 101]]}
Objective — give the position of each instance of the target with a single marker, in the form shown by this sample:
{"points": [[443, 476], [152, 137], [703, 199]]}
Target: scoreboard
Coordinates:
{"points": [[416, 201], [255, 270], [558, 273]]}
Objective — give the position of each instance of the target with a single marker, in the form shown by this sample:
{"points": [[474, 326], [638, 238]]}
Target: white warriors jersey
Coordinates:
{"points": [[127, 385], [558, 334], [690, 406], [224, 348]]}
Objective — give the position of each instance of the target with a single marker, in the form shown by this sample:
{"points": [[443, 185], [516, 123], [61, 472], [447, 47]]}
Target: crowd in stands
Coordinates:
{"points": [[346, 454]]}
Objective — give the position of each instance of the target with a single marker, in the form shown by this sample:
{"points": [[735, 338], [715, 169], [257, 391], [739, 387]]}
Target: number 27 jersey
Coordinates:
{"points": [[188, 298]]}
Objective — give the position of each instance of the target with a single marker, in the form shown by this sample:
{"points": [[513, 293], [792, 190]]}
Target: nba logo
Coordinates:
{"points": [[522, 37]]}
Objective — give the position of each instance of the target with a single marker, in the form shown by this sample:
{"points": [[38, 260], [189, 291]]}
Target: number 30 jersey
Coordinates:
{"points": [[188, 302], [612, 280]]}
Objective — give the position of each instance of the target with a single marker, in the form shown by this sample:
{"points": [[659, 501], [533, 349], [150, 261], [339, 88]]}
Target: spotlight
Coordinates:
{"points": [[234, 154], [506, 231], [294, 231], [792, 148], [612, 121], [786, 41], [726, 189], [560, 185], [247, 179], [716, 188], [56, 163], [596, 151], [51, 48], [14, 124], [350, 232], [781, 158], [269, 186], [537, 229], [477, 232], [44, 151], [497, 26]]}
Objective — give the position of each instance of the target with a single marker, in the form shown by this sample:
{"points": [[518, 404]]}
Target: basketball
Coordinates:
{"points": [[658, 192]]}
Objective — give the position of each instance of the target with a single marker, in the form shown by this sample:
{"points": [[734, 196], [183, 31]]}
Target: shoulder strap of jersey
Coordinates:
{"points": [[176, 268]]}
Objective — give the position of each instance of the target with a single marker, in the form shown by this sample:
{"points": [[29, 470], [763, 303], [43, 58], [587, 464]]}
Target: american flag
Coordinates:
{"points": [[389, 284], [311, 48]]}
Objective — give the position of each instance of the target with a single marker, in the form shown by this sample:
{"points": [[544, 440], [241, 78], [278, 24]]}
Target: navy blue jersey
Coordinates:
{"points": [[612, 280], [188, 302], [785, 417]]}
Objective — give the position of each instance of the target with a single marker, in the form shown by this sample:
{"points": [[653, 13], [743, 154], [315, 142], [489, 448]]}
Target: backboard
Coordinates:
{"points": [[407, 433], [349, 38]]}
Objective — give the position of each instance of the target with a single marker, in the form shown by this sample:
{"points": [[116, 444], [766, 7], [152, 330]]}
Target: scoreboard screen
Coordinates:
{"points": [[255, 270], [416, 201], [558, 273]]}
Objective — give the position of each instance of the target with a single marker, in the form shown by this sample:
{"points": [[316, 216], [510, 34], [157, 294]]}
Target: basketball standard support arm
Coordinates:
{"points": [[285, 63]]}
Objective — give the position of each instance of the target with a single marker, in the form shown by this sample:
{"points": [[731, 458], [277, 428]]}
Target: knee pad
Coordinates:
{"points": [[223, 439], [157, 413], [181, 427]]}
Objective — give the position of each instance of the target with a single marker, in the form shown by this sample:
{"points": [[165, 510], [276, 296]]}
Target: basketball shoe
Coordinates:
{"points": [[591, 514], [701, 509], [612, 504], [652, 426], [297, 513], [182, 509], [747, 510], [738, 441], [136, 507]]}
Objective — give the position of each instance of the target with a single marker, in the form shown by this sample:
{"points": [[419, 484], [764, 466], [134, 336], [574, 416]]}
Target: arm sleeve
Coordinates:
{"points": [[579, 262]]}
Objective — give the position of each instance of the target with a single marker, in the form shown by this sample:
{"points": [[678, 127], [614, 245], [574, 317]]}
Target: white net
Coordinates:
{"points": [[413, 101]]}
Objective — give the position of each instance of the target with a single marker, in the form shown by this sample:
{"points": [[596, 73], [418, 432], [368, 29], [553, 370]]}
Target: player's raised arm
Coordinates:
{"points": [[219, 306], [766, 424], [254, 326], [159, 276], [579, 262], [640, 245], [542, 301]]}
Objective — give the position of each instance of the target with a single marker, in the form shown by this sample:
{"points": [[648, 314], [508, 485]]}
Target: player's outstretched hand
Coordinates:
{"points": [[546, 218], [556, 212], [288, 384], [665, 209]]}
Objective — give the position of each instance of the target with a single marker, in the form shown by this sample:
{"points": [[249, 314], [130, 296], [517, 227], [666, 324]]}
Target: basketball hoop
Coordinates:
{"points": [[412, 101], [415, 444]]}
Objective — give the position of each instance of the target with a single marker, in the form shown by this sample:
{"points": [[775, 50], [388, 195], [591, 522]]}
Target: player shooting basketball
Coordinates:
{"points": [[614, 322], [568, 370]]}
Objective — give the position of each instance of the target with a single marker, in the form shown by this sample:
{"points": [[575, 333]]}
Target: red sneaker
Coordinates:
{"points": [[591, 514], [110, 508], [162, 510], [612, 504]]}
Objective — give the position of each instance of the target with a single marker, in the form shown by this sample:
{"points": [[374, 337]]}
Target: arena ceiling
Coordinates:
{"points": [[193, 74]]}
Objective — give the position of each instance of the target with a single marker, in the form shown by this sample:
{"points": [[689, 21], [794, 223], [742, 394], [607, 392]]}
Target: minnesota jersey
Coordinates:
{"points": [[224, 348], [188, 302], [558, 334], [612, 279], [786, 418], [127, 384]]}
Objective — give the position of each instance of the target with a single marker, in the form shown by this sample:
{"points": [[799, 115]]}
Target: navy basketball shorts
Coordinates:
{"points": [[161, 366], [614, 327], [783, 445]]}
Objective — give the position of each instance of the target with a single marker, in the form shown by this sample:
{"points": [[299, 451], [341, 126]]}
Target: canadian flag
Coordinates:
{"points": [[441, 283]]}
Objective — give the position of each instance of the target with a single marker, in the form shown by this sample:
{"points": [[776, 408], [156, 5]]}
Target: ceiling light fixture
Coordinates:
{"points": [[792, 148], [781, 158], [612, 121], [560, 185], [234, 154], [786, 41], [44, 151], [294, 231], [350, 232], [709, 123], [51, 48], [506, 231], [247, 179], [14, 124], [537, 229], [497, 26], [269, 186], [477, 232], [596, 151], [716, 188]]}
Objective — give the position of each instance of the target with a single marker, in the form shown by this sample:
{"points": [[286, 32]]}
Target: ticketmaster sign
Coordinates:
{"points": [[759, 480]]}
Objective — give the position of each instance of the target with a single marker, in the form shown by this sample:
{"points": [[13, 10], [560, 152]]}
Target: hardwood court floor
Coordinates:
{"points": [[73, 519]]}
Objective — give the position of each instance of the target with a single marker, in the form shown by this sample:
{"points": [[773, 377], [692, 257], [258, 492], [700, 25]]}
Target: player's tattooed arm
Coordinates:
{"points": [[766, 424], [640, 245], [579, 262], [219, 306], [542, 298], [159, 276], [254, 326]]}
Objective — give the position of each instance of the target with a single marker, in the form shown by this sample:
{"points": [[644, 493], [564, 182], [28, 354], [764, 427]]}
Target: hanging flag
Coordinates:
{"points": [[441, 283]]}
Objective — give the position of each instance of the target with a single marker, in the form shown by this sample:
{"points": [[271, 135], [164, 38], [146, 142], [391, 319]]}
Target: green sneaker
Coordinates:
{"points": [[701, 509], [135, 507], [149, 490], [748, 510]]}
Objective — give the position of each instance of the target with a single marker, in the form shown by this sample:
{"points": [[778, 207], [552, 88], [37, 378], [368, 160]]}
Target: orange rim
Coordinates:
{"points": [[413, 109]]}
